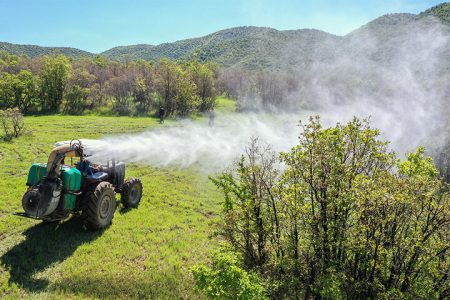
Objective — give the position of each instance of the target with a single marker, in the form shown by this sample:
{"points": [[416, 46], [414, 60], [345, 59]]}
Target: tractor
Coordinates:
{"points": [[57, 190]]}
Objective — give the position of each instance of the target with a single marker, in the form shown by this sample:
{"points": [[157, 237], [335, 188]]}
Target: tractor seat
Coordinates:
{"points": [[98, 176]]}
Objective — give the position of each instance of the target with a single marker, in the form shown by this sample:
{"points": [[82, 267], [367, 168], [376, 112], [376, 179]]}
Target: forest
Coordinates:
{"points": [[57, 84]]}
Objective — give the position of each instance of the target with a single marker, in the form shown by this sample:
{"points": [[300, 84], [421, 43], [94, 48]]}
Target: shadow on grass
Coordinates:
{"points": [[44, 245], [167, 285], [124, 210]]}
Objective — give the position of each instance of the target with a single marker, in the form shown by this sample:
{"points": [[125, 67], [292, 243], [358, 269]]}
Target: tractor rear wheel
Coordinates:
{"points": [[131, 193], [99, 206]]}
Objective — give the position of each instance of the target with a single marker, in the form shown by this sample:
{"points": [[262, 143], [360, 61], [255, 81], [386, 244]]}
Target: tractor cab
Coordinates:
{"points": [[59, 187]]}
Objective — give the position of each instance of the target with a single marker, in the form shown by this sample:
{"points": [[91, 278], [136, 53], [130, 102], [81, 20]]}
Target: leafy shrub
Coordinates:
{"points": [[226, 279], [343, 219], [12, 123]]}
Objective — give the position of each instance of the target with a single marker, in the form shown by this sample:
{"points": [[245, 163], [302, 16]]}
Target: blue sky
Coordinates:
{"points": [[97, 25]]}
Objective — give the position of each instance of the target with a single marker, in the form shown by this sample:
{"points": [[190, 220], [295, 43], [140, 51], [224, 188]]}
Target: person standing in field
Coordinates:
{"points": [[212, 116], [161, 114]]}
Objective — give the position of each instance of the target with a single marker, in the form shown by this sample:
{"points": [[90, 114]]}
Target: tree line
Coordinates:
{"points": [[57, 84]]}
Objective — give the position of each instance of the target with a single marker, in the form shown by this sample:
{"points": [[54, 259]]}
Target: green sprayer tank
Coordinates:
{"points": [[70, 176]]}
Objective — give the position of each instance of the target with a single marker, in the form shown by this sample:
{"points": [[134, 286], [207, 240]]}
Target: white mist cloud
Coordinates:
{"points": [[191, 142], [397, 74], [398, 79]]}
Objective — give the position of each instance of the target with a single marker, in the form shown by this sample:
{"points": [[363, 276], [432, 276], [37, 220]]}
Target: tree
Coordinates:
{"points": [[186, 99], [53, 80], [121, 88], [271, 88], [344, 220], [18, 90], [166, 75], [78, 91], [8, 62], [203, 76], [26, 92], [144, 97], [7, 93], [250, 206]]}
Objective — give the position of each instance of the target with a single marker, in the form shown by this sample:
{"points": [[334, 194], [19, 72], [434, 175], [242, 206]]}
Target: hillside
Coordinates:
{"points": [[124, 51], [261, 47], [241, 46], [33, 50], [442, 11], [255, 47]]}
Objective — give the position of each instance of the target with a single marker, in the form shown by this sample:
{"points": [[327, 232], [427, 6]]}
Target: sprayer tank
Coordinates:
{"points": [[70, 176]]}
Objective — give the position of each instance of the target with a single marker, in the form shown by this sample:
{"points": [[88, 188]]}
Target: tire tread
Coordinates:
{"points": [[91, 203]]}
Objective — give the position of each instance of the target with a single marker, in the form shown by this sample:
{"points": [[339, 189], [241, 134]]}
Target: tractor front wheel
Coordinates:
{"points": [[99, 206], [131, 193]]}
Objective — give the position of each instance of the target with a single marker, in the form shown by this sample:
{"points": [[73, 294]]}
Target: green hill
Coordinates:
{"points": [[268, 48], [260, 47], [250, 47], [442, 11], [33, 50]]}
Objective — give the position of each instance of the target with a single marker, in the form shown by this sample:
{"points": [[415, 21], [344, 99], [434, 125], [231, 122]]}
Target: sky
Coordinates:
{"points": [[98, 25]]}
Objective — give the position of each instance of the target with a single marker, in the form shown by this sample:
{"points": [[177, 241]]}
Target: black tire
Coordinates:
{"points": [[99, 206], [30, 201], [131, 193]]}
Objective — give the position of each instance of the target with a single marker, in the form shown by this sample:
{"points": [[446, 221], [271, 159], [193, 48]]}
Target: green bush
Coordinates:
{"points": [[226, 279], [11, 120], [344, 218]]}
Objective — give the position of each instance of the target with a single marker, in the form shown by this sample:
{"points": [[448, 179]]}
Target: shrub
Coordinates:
{"points": [[226, 279], [343, 219], [12, 123]]}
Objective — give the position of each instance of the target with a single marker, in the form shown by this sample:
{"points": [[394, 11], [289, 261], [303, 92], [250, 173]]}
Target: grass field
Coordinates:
{"points": [[146, 253]]}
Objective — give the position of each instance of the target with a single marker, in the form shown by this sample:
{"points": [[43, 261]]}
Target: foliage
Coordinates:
{"points": [[18, 90], [186, 99], [166, 76], [12, 123], [442, 11], [53, 80], [226, 279], [78, 90], [344, 218], [203, 75], [249, 206], [442, 161], [35, 51], [56, 84], [144, 98]]}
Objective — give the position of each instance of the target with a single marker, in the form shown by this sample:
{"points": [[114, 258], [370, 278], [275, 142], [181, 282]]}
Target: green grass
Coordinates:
{"points": [[145, 253], [225, 105]]}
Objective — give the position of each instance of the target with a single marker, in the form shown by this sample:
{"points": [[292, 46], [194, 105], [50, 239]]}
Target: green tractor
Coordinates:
{"points": [[56, 190]]}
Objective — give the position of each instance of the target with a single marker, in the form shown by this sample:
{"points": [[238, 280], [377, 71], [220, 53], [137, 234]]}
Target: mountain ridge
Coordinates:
{"points": [[256, 47]]}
